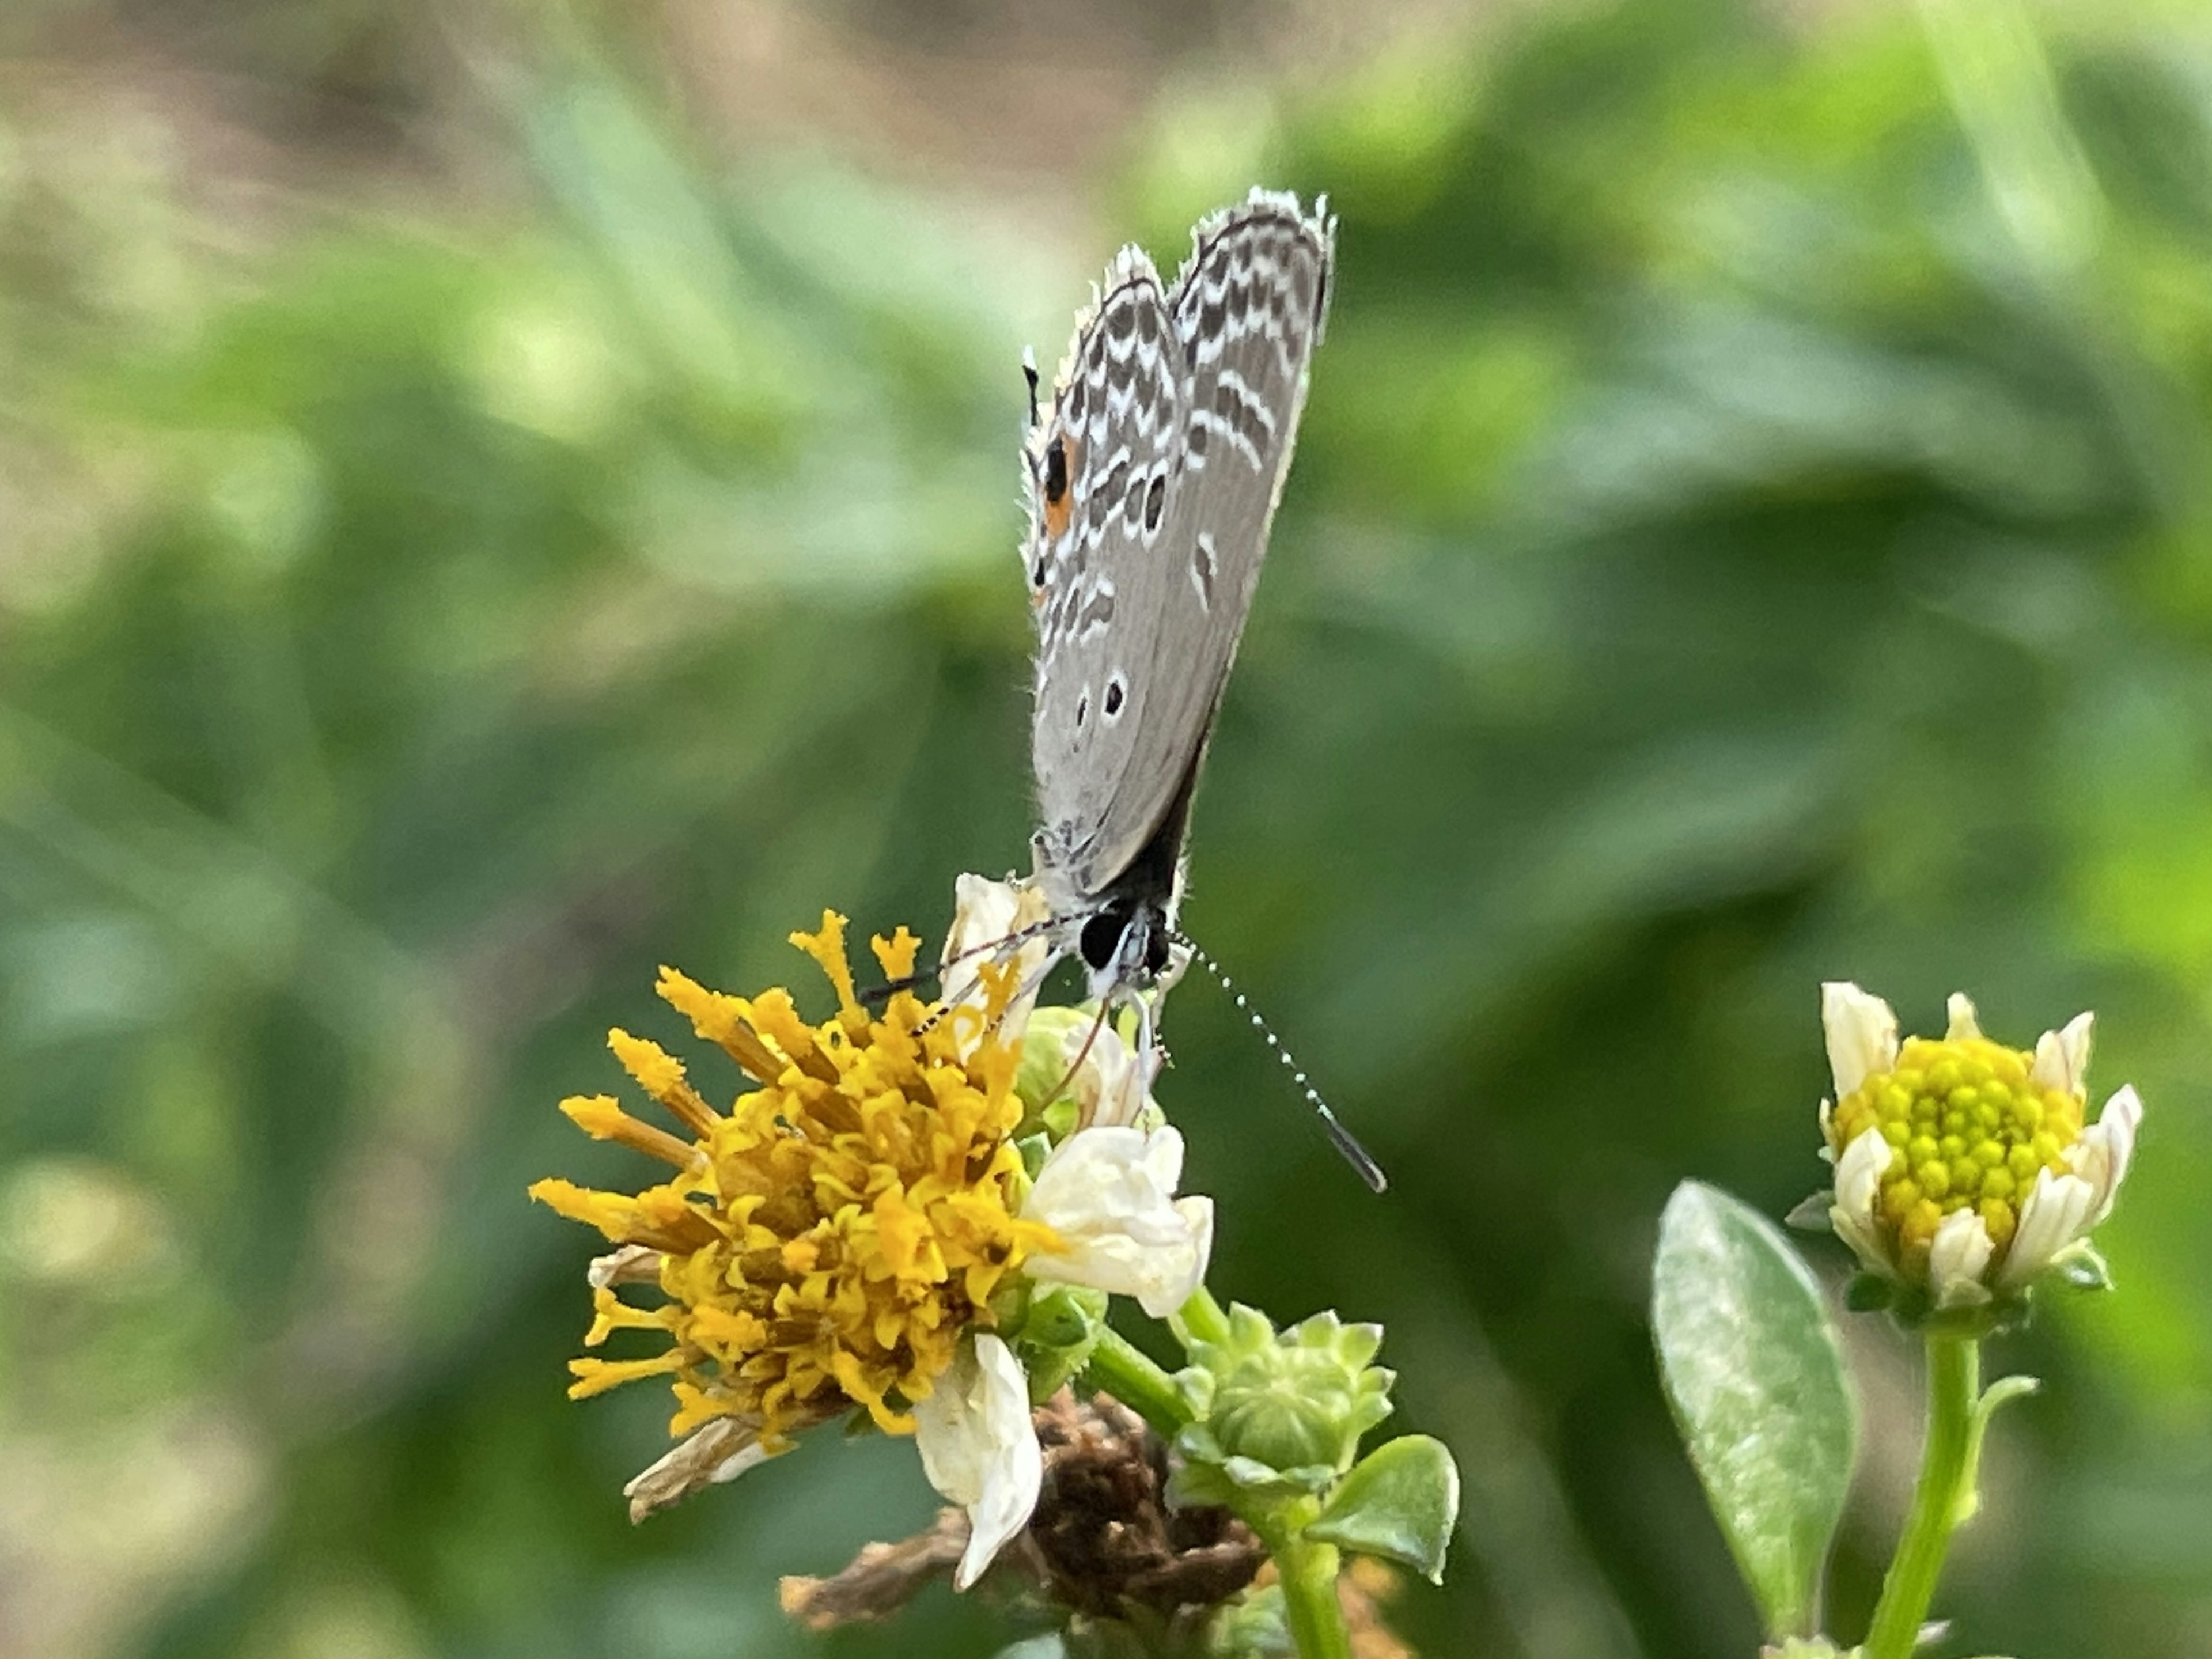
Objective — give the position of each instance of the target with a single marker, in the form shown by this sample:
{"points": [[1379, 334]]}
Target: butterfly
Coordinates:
{"points": [[1152, 478]]}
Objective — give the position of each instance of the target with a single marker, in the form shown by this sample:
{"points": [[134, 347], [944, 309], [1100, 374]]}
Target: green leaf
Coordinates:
{"points": [[1754, 1372], [1399, 1501]]}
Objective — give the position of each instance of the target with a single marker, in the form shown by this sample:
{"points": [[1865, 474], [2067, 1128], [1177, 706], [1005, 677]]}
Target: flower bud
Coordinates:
{"points": [[1280, 1410]]}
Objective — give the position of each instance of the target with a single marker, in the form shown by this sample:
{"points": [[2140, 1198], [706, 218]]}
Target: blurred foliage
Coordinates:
{"points": [[1753, 524]]}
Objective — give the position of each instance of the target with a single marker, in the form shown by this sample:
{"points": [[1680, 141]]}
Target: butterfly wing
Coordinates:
{"points": [[1124, 708], [1101, 467]]}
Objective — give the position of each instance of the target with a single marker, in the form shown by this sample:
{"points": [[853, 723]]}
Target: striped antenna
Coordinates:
{"points": [[1361, 1160]]}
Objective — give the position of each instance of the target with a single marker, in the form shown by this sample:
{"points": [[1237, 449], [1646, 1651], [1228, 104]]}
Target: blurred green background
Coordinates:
{"points": [[494, 497]]}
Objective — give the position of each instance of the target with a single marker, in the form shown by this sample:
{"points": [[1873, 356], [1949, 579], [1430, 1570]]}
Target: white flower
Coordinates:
{"points": [[987, 915], [1108, 1193], [1962, 1163], [980, 1450]]}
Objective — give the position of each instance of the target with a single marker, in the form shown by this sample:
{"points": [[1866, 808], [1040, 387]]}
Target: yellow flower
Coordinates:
{"points": [[827, 1239], [837, 1237], [1963, 1165]]}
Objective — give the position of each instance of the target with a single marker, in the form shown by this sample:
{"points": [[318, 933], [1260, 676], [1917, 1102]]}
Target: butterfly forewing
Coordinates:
{"points": [[1178, 463], [1102, 465]]}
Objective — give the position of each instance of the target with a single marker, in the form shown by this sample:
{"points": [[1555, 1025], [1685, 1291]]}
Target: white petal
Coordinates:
{"points": [[980, 1450], [1861, 1034], [1109, 1193], [1197, 1213], [1958, 1256], [1859, 1186], [2056, 1211], [2062, 1057], [633, 1264], [2101, 1153], [724, 1449], [1960, 1011], [985, 913], [1113, 1086]]}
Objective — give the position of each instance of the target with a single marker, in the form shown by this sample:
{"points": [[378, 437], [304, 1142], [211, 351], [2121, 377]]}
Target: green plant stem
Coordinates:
{"points": [[1943, 1496], [1121, 1368], [1203, 1318], [1308, 1570]]}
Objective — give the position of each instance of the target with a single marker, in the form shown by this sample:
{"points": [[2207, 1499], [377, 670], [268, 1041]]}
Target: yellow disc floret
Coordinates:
{"points": [[1967, 1128], [826, 1240]]}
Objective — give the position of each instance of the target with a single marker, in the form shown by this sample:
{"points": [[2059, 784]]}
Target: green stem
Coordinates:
{"points": [[1126, 1371], [1203, 1318], [1308, 1570], [1943, 1498]]}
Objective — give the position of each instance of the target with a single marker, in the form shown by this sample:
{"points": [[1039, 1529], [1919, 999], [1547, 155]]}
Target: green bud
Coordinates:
{"points": [[1254, 1623], [1280, 1410], [1058, 1331], [1043, 1076]]}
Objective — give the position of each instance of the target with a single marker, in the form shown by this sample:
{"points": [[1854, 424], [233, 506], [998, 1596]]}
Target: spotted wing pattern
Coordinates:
{"points": [[1102, 464], [1154, 478]]}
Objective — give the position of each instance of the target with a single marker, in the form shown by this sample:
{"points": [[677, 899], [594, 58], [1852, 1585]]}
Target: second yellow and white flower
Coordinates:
{"points": [[1961, 1165]]}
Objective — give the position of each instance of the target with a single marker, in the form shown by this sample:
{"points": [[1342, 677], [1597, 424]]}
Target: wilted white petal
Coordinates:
{"points": [[1859, 1186], [1960, 1011], [2101, 1153], [2062, 1057], [2056, 1211], [1108, 1193], [1861, 1034], [721, 1451], [986, 913], [1958, 1256], [633, 1264], [980, 1450]]}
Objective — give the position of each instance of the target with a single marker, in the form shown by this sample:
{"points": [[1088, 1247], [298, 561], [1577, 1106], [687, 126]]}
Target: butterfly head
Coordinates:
{"points": [[1125, 944]]}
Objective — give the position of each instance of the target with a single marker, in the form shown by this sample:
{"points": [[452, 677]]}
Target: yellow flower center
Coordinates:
{"points": [[827, 1240], [1966, 1129]]}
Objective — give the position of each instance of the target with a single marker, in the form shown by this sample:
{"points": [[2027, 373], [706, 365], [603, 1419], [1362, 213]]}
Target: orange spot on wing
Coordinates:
{"points": [[1059, 510]]}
